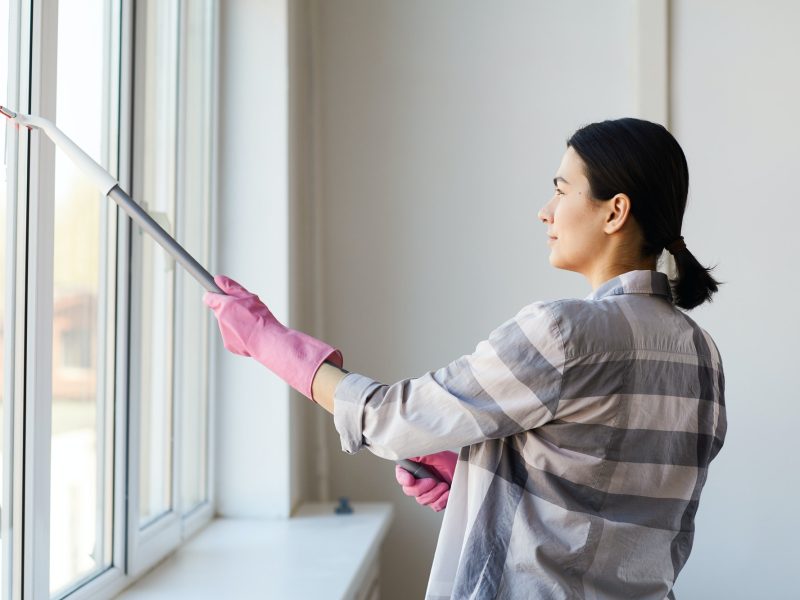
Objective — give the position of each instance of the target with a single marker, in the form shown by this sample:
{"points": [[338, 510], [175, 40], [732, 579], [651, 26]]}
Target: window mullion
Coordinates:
{"points": [[211, 241], [39, 302], [177, 288], [122, 328], [151, 538], [194, 193], [14, 339]]}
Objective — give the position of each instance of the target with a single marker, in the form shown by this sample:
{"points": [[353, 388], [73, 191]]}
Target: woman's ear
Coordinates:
{"points": [[618, 210]]}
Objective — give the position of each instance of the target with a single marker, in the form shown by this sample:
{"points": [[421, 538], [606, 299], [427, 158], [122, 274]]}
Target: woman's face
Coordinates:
{"points": [[574, 221]]}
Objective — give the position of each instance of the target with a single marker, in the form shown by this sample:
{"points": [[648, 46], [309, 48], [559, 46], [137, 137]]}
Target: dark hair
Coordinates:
{"points": [[644, 161]]}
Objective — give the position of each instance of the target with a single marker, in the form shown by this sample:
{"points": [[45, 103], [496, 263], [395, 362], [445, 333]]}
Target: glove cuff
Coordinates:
{"points": [[293, 356]]}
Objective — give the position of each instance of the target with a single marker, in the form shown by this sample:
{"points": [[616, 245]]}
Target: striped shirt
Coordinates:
{"points": [[586, 428]]}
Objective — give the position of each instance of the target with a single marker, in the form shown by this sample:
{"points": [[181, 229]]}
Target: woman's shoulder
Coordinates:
{"points": [[566, 310], [629, 323]]}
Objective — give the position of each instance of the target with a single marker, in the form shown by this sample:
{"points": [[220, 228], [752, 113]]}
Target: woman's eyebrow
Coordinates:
{"points": [[557, 179]]}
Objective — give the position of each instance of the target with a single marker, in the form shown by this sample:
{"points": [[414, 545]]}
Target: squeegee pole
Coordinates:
{"points": [[179, 253], [109, 186], [164, 239]]}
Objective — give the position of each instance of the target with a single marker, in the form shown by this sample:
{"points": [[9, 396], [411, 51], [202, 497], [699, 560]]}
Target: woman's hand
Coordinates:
{"points": [[239, 313], [248, 328], [427, 491]]}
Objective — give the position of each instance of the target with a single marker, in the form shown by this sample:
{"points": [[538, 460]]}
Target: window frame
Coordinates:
{"points": [[147, 545], [38, 305], [29, 309], [35, 190], [193, 518], [16, 145]]}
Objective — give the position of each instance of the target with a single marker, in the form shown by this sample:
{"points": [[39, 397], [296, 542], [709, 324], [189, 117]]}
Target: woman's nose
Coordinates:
{"points": [[545, 214]]}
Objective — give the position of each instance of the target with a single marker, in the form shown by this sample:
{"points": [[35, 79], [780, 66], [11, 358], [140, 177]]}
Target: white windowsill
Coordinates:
{"points": [[315, 554]]}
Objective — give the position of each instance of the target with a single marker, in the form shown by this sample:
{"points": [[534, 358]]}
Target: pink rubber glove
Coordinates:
{"points": [[430, 492], [248, 328]]}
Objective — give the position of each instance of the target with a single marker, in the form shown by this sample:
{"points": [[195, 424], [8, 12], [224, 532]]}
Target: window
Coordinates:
{"points": [[170, 325], [194, 232], [107, 395], [84, 238], [153, 299]]}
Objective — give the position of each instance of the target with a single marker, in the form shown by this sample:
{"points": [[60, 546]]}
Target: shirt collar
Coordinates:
{"points": [[653, 283]]}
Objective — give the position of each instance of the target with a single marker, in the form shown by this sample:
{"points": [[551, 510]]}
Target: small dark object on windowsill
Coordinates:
{"points": [[344, 507]]}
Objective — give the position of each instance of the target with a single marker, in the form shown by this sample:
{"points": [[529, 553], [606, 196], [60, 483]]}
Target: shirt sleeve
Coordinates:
{"points": [[509, 384]]}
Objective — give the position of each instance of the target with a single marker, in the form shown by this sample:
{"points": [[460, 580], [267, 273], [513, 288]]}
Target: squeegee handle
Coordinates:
{"points": [[109, 186], [164, 239], [416, 469]]}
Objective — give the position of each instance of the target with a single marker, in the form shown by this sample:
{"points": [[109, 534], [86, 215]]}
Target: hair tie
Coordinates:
{"points": [[675, 246]]}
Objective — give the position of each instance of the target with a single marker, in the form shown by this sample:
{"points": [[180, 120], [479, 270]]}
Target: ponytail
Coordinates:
{"points": [[694, 284]]}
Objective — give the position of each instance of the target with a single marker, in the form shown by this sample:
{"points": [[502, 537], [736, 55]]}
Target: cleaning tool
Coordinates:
{"points": [[109, 186]]}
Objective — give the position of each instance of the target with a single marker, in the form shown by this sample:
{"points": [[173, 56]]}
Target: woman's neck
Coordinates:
{"points": [[608, 271]]}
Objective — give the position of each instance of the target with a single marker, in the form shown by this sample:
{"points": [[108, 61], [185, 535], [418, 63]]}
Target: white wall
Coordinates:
{"points": [[736, 85], [442, 125], [253, 442]]}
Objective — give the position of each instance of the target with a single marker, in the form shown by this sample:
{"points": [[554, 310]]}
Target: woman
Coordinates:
{"points": [[585, 426]]}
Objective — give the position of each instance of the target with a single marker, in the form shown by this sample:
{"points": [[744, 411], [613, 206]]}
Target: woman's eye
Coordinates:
{"points": [[559, 192]]}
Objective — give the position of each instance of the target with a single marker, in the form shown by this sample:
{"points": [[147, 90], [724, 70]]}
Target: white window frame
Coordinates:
{"points": [[13, 340], [147, 546], [36, 56], [39, 197], [28, 342], [198, 516]]}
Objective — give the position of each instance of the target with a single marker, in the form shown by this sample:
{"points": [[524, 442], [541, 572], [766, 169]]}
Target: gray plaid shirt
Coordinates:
{"points": [[586, 428]]}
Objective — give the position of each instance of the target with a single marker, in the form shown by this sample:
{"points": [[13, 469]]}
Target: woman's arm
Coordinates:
{"points": [[510, 383], [324, 385]]}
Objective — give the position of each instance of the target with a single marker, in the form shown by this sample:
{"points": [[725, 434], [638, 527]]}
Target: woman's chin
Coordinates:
{"points": [[554, 260], [558, 262]]}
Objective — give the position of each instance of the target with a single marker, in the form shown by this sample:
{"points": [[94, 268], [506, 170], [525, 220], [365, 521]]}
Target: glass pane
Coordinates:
{"points": [[81, 443], [193, 220], [155, 286]]}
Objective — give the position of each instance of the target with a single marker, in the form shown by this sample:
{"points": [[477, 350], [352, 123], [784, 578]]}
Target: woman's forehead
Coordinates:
{"points": [[571, 169]]}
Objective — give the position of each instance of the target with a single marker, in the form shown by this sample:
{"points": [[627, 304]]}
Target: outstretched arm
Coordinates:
{"points": [[477, 397], [510, 383]]}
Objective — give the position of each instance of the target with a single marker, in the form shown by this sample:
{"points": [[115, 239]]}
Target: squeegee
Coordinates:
{"points": [[110, 188]]}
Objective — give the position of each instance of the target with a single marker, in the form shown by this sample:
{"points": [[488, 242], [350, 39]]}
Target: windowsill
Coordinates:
{"points": [[315, 554]]}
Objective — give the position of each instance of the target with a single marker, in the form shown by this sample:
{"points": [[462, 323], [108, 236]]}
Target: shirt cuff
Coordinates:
{"points": [[350, 398]]}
